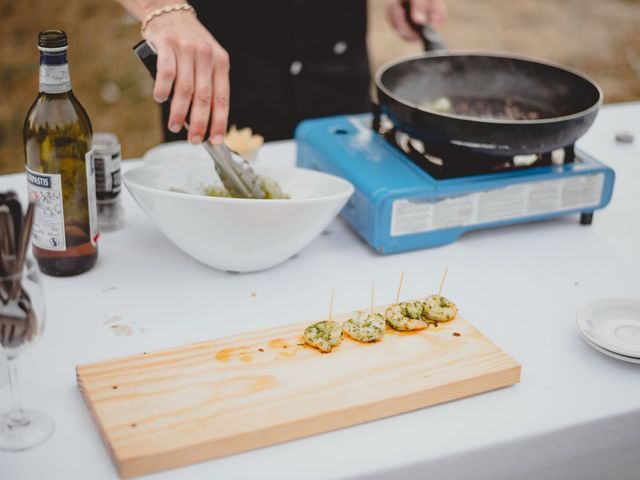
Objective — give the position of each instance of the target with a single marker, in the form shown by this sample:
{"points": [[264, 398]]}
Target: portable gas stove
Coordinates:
{"points": [[409, 195]]}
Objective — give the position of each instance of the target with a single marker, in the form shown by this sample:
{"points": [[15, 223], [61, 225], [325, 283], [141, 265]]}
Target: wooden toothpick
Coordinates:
{"points": [[399, 288], [333, 294], [373, 293], [444, 275]]}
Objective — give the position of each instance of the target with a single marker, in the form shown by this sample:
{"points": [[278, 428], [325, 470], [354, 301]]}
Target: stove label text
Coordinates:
{"points": [[517, 201]]}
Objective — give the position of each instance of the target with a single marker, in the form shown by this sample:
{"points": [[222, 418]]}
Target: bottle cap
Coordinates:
{"points": [[105, 142], [52, 41]]}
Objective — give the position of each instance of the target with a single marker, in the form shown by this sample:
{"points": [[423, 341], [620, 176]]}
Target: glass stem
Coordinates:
{"points": [[16, 414]]}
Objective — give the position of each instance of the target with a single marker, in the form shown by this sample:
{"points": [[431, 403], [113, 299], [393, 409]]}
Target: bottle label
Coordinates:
{"points": [[54, 78], [91, 197], [108, 182], [48, 224]]}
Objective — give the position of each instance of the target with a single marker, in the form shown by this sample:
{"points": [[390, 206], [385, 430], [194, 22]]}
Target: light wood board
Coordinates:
{"points": [[197, 402]]}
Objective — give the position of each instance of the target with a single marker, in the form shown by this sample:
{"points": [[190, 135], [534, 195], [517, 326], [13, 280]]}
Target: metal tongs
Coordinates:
{"points": [[234, 171], [237, 176]]}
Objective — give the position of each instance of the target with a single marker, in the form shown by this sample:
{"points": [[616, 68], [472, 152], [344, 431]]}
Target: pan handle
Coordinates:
{"points": [[431, 40]]}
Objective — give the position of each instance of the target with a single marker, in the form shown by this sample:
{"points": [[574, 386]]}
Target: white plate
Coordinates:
{"points": [[612, 324], [624, 358]]}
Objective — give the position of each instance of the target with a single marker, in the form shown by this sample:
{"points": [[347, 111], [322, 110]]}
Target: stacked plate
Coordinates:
{"points": [[612, 326]]}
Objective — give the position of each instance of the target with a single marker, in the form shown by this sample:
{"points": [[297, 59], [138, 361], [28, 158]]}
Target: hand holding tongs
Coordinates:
{"points": [[234, 171]]}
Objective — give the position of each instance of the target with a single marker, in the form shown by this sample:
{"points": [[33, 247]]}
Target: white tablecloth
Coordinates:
{"points": [[575, 415]]}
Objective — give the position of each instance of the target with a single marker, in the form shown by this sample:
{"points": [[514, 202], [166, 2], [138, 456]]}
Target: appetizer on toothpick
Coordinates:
{"points": [[365, 327], [326, 334], [405, 316], [438, 308]]}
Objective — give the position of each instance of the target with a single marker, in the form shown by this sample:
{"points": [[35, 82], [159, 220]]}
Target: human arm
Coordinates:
{"points": [[192, 64]]}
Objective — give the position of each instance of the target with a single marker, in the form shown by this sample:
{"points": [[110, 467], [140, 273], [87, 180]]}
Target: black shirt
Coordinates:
{"points": [[290, 60]]}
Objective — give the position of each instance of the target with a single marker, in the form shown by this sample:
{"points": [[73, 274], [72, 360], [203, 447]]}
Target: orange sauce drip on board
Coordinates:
{"points": [[278, 343], [226, 354], [289, 353]]}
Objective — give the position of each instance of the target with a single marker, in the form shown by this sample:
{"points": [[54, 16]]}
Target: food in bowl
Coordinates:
{"points": [[236, 234], [268, 185]]}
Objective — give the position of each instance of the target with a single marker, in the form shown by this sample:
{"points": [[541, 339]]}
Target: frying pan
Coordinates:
{"points": [[489, 103]]}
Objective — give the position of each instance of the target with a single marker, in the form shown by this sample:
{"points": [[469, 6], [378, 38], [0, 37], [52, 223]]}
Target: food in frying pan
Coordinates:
{"points": [[439, 309], [405, 316], [365, 327], [323, 335], [510, 108], [440, 105]]}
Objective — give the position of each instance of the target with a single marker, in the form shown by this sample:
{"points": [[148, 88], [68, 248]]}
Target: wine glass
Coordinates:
{"points": [[22, 316]]}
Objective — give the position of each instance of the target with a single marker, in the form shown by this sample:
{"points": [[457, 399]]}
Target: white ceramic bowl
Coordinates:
{"points": [[233, 234]]}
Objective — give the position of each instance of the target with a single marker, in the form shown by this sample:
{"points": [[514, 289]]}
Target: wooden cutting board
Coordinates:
{"points": [[174, 407]]}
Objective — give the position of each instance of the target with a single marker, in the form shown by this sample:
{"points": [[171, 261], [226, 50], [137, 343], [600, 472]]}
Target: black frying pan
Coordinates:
{"points": [[493, 104]]}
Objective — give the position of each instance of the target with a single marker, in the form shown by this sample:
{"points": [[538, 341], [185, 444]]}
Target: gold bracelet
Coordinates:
{"points": [[168, 9]]}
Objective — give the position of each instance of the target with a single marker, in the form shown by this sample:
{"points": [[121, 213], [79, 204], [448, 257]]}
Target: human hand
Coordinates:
{"points": [[196, 67], [432, 12]]}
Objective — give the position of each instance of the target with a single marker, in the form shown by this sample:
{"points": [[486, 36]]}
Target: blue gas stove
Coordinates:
{"points": [[408, 197]]}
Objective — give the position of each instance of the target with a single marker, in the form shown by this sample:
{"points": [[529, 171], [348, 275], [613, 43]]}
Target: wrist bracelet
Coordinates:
{"points": [[168, 9]]}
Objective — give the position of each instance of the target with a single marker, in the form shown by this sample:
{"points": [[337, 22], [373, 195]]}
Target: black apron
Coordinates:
{"points": [[290, 60]]}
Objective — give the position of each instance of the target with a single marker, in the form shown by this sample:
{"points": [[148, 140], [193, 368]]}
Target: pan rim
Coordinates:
{"points": [[498, 54]]}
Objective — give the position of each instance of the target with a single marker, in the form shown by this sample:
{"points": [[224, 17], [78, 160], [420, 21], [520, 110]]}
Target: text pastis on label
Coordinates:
{"points": [[48, 224]]}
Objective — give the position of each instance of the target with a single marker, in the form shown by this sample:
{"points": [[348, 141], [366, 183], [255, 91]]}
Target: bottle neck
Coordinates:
{"points": [[54, 71]]}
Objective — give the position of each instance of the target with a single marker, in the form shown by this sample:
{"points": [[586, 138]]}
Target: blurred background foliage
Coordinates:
{"points": [[601, 38]]}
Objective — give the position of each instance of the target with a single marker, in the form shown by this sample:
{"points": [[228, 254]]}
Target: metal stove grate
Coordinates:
{"points": [[452, 161]]}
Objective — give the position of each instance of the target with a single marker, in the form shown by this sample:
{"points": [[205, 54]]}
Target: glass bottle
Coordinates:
{"points": [[60, 168]]}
